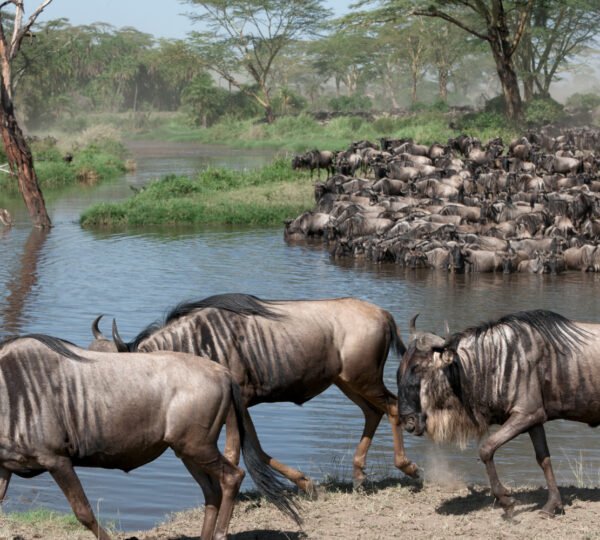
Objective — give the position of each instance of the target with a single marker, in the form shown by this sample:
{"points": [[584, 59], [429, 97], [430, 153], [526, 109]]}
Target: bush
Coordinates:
{"points": [[583, 102], [541, 111], [350, 103]]}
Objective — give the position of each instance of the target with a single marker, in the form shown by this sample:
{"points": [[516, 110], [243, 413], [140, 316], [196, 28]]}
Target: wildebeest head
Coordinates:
{"points": [[101, 343], [456, 261], [416, 364], [430, 393]]}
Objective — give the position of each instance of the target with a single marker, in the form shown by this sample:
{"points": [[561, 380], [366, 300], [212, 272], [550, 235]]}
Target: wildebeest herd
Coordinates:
{"points": [[529, 206], [122, 404]]}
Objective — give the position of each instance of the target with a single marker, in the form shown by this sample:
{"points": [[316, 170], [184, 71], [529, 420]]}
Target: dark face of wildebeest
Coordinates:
{"points": [[416, 362]]}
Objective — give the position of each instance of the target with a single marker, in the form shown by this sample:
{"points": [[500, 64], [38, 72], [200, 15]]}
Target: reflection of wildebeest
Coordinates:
{"points": [[63, 407], [519, 371], [290, 351]]}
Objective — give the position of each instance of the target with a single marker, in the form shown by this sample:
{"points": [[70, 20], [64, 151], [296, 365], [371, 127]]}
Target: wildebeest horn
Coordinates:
{"points": [[95, 328], [121, 345], [411, 326], [446, 328]]}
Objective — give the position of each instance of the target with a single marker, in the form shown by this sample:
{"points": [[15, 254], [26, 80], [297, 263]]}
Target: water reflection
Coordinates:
{"points": [[22, 283]]}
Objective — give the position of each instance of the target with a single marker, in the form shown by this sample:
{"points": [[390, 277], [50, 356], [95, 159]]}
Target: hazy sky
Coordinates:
{"points": [[162, 18]]}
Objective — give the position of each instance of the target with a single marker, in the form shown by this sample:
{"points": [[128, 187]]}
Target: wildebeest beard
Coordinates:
{"points": [[449, 416]]}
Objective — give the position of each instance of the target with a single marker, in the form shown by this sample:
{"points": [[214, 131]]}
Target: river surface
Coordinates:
{"points": [[57, 283]]}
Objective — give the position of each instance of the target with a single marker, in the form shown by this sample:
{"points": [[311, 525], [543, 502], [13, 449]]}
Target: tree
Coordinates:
{"points": [[17, 150], [492, 26], [245, 37], [557, 31]]}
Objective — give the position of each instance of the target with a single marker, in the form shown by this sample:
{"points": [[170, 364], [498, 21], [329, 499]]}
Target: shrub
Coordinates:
{"points": [[583, 102], [540, 111], [350, 103]]}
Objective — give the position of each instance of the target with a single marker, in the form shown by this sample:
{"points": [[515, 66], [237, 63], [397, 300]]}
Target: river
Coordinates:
{"points": [[57, 283]]}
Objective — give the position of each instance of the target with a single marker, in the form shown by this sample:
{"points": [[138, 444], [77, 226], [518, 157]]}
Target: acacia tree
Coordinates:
{"points": [[557, 31], [492, 24], [17, 150], [245, 37]]}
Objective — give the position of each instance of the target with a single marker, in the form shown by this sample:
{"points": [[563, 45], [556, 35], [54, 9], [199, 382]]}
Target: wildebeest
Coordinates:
{"points": [[519, 371], [290, 351], [62, 406]]}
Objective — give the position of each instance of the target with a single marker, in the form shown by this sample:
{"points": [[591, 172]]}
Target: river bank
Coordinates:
{"points": [[386, 509]]}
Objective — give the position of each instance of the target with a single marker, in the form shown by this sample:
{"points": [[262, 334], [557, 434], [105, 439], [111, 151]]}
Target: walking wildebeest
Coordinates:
{"points": [[520, 371], [61, 406], [289, 351]]}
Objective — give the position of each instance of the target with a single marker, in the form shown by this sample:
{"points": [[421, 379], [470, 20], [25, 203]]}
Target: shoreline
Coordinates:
{"points": [[390, 508]]}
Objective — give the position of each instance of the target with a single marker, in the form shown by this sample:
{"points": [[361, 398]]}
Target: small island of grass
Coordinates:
{"points": [[264, 196]]}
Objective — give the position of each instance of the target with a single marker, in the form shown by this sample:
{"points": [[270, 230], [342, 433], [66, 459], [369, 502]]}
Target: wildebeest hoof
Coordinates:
{"points": [[358, 483], [411, 470], [311, 491], [552, 512]]}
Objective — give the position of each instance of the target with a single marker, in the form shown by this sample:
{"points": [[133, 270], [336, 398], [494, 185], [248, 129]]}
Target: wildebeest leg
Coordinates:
{"points": [[220, 482], [382, 401], [4, 480], [400, 460], [542, 454], [212, 496], [64, 475], [372, 419], [297, 477], [232, 439], [516, 424]]}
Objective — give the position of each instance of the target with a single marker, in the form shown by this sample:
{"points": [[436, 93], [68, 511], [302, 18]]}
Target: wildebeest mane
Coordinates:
{"points": [[560, 333], [57, 345], [245, 305]]}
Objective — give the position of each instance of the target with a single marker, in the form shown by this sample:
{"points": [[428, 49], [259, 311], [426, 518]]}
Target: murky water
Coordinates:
{"points": [[57, 283]]}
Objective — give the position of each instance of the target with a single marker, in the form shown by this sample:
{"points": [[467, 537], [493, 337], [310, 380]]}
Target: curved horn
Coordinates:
{"points": [[411, 326], [446, 328], [121, 345], [96, 329]]}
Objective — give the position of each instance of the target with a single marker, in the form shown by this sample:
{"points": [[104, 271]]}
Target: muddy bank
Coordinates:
{"points": [[387, 509]]}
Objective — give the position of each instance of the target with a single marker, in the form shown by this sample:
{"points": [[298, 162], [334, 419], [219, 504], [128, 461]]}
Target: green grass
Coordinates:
{"points": [[97, 161], [263, 196], [39, 515], [303, 132]]}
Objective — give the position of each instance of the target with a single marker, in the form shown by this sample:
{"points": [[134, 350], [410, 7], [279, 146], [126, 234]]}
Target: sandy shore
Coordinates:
{"points": [[388, 509]]}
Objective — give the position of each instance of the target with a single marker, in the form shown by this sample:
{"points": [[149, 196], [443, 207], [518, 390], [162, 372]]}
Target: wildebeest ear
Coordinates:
{"points": [[444, 357]]}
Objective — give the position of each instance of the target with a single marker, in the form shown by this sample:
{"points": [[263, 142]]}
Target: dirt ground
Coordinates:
{"points": [[388, 509]]}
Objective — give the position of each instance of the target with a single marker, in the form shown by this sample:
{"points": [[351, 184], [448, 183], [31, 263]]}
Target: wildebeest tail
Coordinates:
{"points": [[264, 477]]}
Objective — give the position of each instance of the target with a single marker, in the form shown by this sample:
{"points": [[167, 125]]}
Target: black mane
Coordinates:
{"points": [[57, 345], [245, 305], [558, 331]]}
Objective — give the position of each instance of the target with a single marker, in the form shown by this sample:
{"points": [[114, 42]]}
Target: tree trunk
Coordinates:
{"points": [[20, 161], [443, 83], [413, 94], [269, 115], [508, 80]]}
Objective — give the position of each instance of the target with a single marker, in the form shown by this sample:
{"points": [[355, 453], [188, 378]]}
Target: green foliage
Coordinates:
{"points": [[540, 111], [259, 197], [583, 102], [352, 103], [102, 159], [43, 515]]}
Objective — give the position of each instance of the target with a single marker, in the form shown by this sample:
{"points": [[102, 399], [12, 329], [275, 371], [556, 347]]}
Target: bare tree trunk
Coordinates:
{"points": [[21, 162], [443, 83]]}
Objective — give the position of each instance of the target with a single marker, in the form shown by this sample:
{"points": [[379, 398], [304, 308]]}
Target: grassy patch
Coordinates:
{"points": [[256, 197], [303, 132], [39, 522], [99, 160]]}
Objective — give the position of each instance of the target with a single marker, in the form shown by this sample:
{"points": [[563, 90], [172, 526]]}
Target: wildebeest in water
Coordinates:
{"points": [[520, 371], [289, 351], [61, 407]]}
